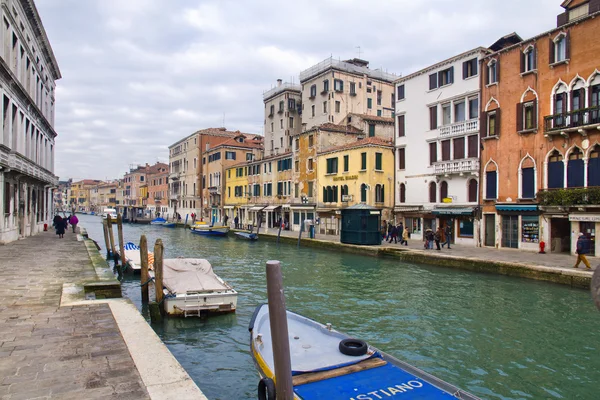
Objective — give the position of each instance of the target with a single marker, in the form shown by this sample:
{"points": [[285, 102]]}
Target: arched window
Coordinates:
{"points": [[527, 179], [379, 194], [575, 168], [473, 191], [491, 181], [344, 190], [443, 190], [432, 190], [402, 193], [559, 102], [577, 102], [556, 177], [363, 193], [594, 167]]}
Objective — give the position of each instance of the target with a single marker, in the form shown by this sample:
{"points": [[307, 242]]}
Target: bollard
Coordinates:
{"points": [[279, 332], [158, 271], [111, 237], [106, 240], [121, 241], [144, 276]]}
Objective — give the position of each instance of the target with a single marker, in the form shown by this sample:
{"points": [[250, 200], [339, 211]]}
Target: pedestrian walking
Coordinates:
{"points": [[405, 237], [438, 238], [73, 220], [225, 219], [60, 226], [55, 221], [447, 235], [236, 222], [390, 228], [583, 248], [428, 239], [394, 235]]}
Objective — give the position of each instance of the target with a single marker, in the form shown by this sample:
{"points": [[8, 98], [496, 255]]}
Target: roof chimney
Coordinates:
{"points": [[279, 82]]}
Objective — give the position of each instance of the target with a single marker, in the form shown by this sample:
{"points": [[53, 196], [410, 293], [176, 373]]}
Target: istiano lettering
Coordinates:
{"points": [[390, 391]]}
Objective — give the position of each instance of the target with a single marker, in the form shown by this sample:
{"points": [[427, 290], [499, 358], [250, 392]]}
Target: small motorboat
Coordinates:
{"points": [[202, 228], [192, 288], [170, 224], [158, 221], [133, 258], [327, 364], [247, 235]]}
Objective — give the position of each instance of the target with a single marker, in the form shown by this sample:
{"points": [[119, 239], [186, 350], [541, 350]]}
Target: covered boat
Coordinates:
{"points": [[133, 258], [158, 221], [170, 224], [202, 228], [327, 364], [192, 288], [247, 235]]}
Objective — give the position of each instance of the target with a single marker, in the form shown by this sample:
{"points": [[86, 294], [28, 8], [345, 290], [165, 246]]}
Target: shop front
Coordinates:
{"points": [[328, 221], [301, 214], [461, 221], [520, 226], [586, 224], [412, 218]]}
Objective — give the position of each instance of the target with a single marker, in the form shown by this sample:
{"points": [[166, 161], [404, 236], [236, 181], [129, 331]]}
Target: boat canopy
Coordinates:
{"points": [[183, 275]]}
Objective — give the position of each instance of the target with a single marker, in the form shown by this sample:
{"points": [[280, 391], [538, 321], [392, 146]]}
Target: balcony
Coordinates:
{"points": [[174, 196], [453, 167], [20, 163], [214, 190], [573, 121], [174, 176], [569, 197], [459, 128]]}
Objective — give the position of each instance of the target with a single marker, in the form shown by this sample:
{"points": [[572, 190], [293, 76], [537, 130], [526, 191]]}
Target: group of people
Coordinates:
{"points": [[61, 224], [436, 237], [391, 232]]}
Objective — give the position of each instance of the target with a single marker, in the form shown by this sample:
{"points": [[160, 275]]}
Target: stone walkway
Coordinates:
{"points": [[48, 352], [555, 260]]}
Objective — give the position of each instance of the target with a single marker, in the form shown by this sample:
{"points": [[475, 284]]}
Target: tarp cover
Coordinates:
{"points": [[183, 275]]}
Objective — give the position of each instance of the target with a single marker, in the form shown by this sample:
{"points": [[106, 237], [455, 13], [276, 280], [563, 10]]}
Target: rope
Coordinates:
{"points": [[166, 296], [147, 282]]}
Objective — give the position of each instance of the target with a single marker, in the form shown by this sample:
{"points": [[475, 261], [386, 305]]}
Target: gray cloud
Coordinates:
{"points": [[140, 74]]}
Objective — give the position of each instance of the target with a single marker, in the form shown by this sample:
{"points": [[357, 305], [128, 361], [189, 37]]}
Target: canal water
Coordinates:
{"points": [[497, 337]]}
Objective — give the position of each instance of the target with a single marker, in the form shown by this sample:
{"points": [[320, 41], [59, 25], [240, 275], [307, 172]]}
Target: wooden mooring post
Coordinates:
{"points": [[279, 332], [106, 240], [111, 236], [156, 308], [144, 275], [121, 241]]}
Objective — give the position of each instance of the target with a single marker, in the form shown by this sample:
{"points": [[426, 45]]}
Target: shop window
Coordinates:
{"points": [[465, 227], [530, 229]]}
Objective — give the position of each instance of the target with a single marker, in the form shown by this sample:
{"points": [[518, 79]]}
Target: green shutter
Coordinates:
{"points": [[372, 130], [346, 162], [369, 103], [378, 161], [363, 161]]}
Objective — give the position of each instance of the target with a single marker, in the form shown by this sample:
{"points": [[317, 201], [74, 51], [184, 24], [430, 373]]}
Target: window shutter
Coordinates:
{"points": [[564, 101], [522, 62], [433, 117], [550, 51], [563, 19], [401, 128], [432, 81], [473, 141], [401, 159], [490, 190], [568, 46], [483, 124], [487, 73], [498, 70], [451, 74], [498, 122], [465, 68], [535, 116], [535, 54], [432, 153], [520, 117]]}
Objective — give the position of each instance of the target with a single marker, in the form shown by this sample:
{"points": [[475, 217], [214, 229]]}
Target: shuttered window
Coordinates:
{"points": [[472, 191], [433, 117], [400, 92], [432, 189], [401, 126], [459, 148], [473, 142], [401, 159], [433, 79], [432, 153], [378, 161], [363, 161], [527, 183], [445, 150], [491, 185]]}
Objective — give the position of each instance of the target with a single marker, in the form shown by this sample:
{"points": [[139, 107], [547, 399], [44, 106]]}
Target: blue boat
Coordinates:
{"points": [[170, 224], [329, 365], [246, 235], [210, 230], [158, 221]]}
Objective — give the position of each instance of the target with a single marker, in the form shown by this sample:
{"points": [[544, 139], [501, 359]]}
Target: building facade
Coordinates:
{"points": [[437, 148], [540, 139], [283, 117], [158, 189], [28, 72], [80, 199]]}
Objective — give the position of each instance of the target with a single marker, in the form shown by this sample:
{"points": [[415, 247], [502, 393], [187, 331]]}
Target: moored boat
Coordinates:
{"points": [[170, 224], [327, 364], [158, 221], [192, 288], [201, 228], [246, 235], [133, 258]]}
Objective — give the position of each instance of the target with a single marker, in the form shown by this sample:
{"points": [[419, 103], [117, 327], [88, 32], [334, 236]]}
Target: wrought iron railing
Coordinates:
{"points": [[572, 119]]}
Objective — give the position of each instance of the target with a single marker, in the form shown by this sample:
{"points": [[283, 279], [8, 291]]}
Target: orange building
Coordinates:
{"points": [[158, 188], [540, 139]]}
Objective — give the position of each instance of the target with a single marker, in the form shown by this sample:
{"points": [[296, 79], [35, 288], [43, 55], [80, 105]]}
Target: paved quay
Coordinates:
{"points": [[99, 349], [552, 267]]}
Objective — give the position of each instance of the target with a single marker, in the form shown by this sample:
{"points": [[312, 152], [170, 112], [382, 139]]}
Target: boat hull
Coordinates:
{"points": [[192, 304], [322, 372], [211, 231], [246, 236]]}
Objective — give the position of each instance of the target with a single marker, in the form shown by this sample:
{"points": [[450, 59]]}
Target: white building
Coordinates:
{"points": [[27, 74], [437, 147], [283, 117]]}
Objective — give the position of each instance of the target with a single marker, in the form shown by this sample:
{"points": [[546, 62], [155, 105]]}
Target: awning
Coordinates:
{"points": [[408, 208], [453, 211], [228, 207], [286, 206], [256, 208], [326, 210], [302, 208], [517, 207], [271, 208]]}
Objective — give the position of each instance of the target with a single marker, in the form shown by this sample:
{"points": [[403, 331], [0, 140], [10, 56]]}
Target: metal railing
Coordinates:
{"points": [[345, 66], [456, 166], [572, 119], [281, 88], [460, 128]]}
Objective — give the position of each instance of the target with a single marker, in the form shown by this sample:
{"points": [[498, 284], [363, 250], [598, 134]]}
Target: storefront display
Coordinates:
{"points": [[530, 229], [465, 227]]}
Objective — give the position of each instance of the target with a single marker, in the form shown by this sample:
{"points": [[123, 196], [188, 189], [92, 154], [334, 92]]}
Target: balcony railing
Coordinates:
{"points": [[573, 120], [569, 196], [460, 128], [19, 163], [174, 175], [456, 166], [174, 196]]}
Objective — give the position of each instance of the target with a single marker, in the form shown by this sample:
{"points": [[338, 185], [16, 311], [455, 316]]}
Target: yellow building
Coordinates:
{"points": [[237, 192], [80, 195], [359, 172]]}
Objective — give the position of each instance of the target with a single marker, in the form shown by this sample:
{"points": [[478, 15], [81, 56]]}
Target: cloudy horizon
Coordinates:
{"points": [[139, 75]]}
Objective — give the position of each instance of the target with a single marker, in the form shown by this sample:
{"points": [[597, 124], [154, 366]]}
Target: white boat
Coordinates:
{"points": [[110, 211], [192, 288], [210, 230], [326, 364], [133, 258]]}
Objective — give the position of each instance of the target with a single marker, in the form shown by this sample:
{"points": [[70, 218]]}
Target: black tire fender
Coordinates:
{"points": [[266, 389], [353, 347]]}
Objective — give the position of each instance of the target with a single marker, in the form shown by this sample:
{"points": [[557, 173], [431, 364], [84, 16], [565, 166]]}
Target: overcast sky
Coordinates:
{"points": [[138, 75]]}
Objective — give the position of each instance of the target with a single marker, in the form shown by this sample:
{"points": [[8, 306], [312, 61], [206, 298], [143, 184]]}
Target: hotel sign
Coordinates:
{"points": [[584, 217], [346, 178]]}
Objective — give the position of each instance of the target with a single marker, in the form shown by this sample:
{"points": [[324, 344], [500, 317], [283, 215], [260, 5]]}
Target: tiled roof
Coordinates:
{"points": [[374, 118], [328, 126], [154, 169], [372, 141], [247, 144]]}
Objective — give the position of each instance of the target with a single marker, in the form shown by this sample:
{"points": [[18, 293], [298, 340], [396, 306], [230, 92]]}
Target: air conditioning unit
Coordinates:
{"points": [[346, 198]]}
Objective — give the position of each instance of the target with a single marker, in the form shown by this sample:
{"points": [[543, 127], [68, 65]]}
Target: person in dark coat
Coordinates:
{"points": [[55, 221], [236, 222], [583, 248], [438, 238], [60, 225], [448, 235]]}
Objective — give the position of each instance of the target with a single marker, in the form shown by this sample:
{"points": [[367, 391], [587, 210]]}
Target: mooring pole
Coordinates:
{"points": [[158, 270], [259, 222], [595, 287], [111, 235], [144, 275], [106, 240], [279, 332], [300, 234], [279, 233], [121, 241]]}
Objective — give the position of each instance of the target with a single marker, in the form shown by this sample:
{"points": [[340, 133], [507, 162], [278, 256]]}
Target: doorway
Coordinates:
{"points": [[490, 230], [448, 222], [560, 235], [510, 231], [589, 229]]}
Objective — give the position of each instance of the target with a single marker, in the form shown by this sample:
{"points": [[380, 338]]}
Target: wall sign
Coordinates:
{"points": [[584, 217], [346, 178]]}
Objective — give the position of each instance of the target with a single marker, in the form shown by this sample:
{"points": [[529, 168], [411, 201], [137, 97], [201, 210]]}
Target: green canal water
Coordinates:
{"points": [[495, 336]]}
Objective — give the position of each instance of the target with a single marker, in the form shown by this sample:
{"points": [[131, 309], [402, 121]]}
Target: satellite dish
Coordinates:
{"points": [[585, 143]]}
